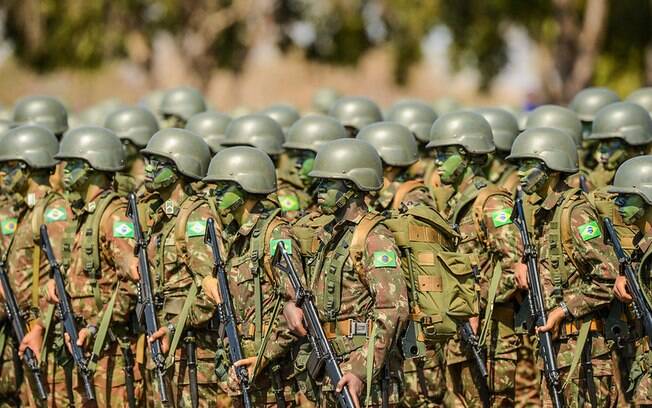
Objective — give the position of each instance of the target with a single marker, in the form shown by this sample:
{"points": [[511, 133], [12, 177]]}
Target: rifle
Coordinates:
{"points": [[18, 326], [227, 315], [69, 325], [147, 309], [473, 345], [322, 350], [641, 307], [536, 303]]}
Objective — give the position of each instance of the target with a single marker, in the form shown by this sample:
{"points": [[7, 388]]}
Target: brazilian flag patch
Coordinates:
{"points": [[384, 259], [8, 226], [590, 230], [502, 217], [196, 228], [289, 203], [287, 244], [55, 214], [123, 229]]}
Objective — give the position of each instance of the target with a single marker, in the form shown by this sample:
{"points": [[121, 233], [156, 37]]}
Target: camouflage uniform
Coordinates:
{"points": [[292, 194], [400, 192]]}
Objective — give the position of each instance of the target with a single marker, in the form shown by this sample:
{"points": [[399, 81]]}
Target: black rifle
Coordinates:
{"points": [[18, 326], [191, 351], [67, 317], [473, 345], [226, 313], [325, 358], [536, 304], [642, 309], [146, 306]]}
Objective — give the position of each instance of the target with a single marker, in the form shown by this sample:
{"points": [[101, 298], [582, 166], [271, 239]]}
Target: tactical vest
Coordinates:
{"points": [[603, 202]]}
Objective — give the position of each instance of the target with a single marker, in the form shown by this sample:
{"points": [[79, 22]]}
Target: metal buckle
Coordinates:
{"points": [[358, 328]]}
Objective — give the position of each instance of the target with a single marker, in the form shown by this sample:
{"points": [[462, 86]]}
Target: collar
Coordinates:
{"points": [[385, 196]]}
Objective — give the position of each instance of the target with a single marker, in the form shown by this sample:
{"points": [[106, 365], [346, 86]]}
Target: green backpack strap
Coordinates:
{"points": [[491, 298], [181, 323], [468, 196], [102, 331], [557, 235], [582, 338]]}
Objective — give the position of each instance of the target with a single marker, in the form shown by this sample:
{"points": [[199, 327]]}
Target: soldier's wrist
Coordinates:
{"points": [[564, 307]]}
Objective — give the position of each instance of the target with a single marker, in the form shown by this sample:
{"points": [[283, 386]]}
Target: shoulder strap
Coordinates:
{"points": [[558, 239], [469, 195], [359, 238], [38, 217], [477, 211], [187, 207], [403, 190]]}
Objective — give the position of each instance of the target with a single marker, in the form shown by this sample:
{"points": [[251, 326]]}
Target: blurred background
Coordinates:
{"points": [[246, 54]]}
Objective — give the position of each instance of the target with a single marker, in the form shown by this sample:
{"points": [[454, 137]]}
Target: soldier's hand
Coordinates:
{"points": [[51, 296], [161, 333], [555, 317], [210, 288], [83, 336], [2, 294], [355, 387], [620, 290], [32, 340], [294, 316], [520, 275], [475, 323]]}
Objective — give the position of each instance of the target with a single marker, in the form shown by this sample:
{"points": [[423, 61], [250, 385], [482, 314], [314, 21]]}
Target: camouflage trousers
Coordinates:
{"points": [[425, 372], [640, 375], [10, 377], [527, 383]]}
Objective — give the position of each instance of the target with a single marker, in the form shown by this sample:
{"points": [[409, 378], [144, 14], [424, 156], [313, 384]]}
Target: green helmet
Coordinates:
{"points": [[446, 105], [284, 115], [255, 130], [134, 124], [248, 166], [187, 150], [34, 145], [550, 145], [556, 117], [350, 159], [589, 101], [462, 128], [634, 176], [45, 111], [642, 97], [211, 126], [183, 102], [5, 125], [503, 124], [394, 143], [312, 131], [356, 111], [624, 120], [98, 146], [415, 115], [324, 100]]}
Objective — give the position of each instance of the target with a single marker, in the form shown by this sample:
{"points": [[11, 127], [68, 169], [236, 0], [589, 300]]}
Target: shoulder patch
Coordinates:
{"points": [[287, 244], [502, 217], [384, 259], [55, 214], [196, 228], [123, 229], [8, 225], [289, 202], [590, 230]]}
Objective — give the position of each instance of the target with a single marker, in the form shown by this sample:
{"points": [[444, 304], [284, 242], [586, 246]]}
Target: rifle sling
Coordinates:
{"points": [[181, 322]]}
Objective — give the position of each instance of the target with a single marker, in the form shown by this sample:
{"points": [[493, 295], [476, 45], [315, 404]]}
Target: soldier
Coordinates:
{"points": [[295, 188], [355, 112], [179, 104], [179, 261], [642, 97], [504, 128], [352, 266], [283, 114], [242, 178], [587, 102], [134, 126], [256, 130], [633, 184], [26, 162], [576, 271], [211, 126], [418, 117], [45, 111], [620, 131], [462, 143], [324, 99]]}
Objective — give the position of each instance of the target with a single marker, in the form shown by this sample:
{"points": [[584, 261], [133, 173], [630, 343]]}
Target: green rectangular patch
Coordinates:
{"points": [[502, 217], [196, 228], [384, 259], [55, 214], [123, 229], [289, 202], [287, 244], [8, 225], [590, 230]]}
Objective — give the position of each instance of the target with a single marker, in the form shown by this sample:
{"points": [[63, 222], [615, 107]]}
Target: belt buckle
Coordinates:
{"points": [[358, 328]]}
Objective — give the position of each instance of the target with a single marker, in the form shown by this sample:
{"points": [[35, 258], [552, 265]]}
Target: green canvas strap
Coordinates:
{"points": [[48, 325], [558, 266], [334, 267], [467, 196], [181, 323], [582, 338], [102, 331], [491, 297], [370, 362], [263, 344], [3, 338]]}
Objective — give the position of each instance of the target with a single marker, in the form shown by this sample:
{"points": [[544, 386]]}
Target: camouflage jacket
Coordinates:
{"points": [[293, 200], [400, 192], [503, 174]]}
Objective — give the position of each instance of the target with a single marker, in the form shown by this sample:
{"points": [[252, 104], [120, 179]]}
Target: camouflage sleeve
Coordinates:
{"points": [[504, 242], [382, 271], [595, 261], [418, 196]]}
